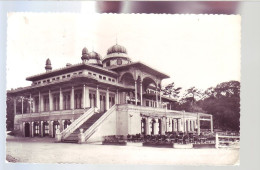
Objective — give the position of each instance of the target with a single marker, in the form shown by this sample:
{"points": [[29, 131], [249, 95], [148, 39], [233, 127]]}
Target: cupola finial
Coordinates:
{"points": [[48, 66]]}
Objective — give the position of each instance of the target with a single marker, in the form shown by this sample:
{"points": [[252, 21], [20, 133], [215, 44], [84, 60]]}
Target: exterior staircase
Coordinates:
{"points": [[73, 137]]}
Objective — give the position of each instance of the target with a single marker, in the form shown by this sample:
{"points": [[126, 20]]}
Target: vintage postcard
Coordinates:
{"points": [[123, 88]]}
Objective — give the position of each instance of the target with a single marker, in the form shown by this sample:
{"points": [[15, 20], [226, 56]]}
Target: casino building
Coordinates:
{"points": [[99, 97]]}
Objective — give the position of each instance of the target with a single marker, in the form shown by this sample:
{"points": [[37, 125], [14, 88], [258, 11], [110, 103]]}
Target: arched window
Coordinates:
{"points": [[36, 129], [119, 61], [108, 63], [45, 128]]}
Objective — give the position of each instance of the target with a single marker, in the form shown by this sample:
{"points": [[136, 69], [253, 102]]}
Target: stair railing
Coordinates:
{"points": [[77, 123], [90, 131]]}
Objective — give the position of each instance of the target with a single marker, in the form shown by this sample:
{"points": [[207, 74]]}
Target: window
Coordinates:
{"points": [[74, 73], [46, 128], [80, 72], [109, 79], [113, 80], [39, 82], [57, 78], [36, 128], [119, 61], [108, 63], [69, 75], [53, 79], [100, 77], [89, 73], [48, 80], [104, 78], [63, 77], [44, 81], [94, 74]]}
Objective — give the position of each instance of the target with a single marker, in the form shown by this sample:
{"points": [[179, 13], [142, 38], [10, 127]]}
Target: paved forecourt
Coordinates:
{"points": [[44, 150]]}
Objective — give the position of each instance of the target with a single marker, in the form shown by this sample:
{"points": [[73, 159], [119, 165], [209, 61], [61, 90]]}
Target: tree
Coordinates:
{"points": [[223, 102], [171, 91]]}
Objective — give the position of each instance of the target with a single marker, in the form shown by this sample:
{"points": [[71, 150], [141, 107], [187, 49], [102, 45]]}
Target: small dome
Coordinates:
{"points": [[116, 49], [48, 66], [48, 62], [84, 50], [94, 55], [85, 55]]}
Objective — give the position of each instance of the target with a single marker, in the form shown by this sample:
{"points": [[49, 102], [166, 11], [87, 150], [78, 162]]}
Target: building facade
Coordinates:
{"points": [[110, 96]]}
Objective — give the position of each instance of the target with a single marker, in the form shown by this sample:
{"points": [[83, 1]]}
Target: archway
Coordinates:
{"points": [[128, 80], [36, 128], [45, 129], [66, 124], [153, 126], [27, 129], [143, 126], [149, 89], [160, 126]]}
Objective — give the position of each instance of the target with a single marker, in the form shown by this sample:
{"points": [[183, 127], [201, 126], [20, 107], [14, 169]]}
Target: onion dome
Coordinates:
{"points": [[116, 55], [94, 58], [48, 66], [85, 55], [116, 49], [94, 55]]}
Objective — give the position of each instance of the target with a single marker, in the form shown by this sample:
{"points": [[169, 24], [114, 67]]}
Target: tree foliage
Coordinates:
{"points": [[171, 91], [222, 101]]}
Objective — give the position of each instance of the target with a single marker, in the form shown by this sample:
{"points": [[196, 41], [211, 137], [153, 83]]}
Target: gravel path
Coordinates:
{"points": [[44, 150]]}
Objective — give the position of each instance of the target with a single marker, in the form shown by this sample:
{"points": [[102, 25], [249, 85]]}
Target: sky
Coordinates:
{"points": [[194, 50]]}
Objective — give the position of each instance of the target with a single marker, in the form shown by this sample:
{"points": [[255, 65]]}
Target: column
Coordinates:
{"points": [[211, 124], [184, 125], [72, 99], [87, 100], [32, 129], [163, 125], [84, 96], [40, 103], [178, 125], [41, 128], [50, 101], [33, 108], [147, 123], [188, 130], [30, 103], [97, 98], [135, 92], [156, 126], [14, 105], [170, 125], [198, 122], [141, 92], [156, 95], [117, 97], [61, 99], [173, 125], [61, 125], [160, 98], [107, 99], [23, 129], [51, 128], [192, 125], [22, 104]]}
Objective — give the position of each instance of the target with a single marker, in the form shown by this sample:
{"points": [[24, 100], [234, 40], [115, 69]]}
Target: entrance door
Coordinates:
{"points": [[27, 130]]}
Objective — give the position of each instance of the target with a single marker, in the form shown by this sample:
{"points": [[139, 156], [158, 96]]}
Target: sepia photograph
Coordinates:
{"points": [[146, 89]]}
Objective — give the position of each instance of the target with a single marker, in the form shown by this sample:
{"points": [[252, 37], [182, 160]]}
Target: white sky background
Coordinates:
{"points": [[194, 50]]}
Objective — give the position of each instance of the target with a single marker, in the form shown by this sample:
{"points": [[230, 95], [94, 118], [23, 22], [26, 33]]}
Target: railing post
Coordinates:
{"points": [[217, 141], [81, 137]]}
